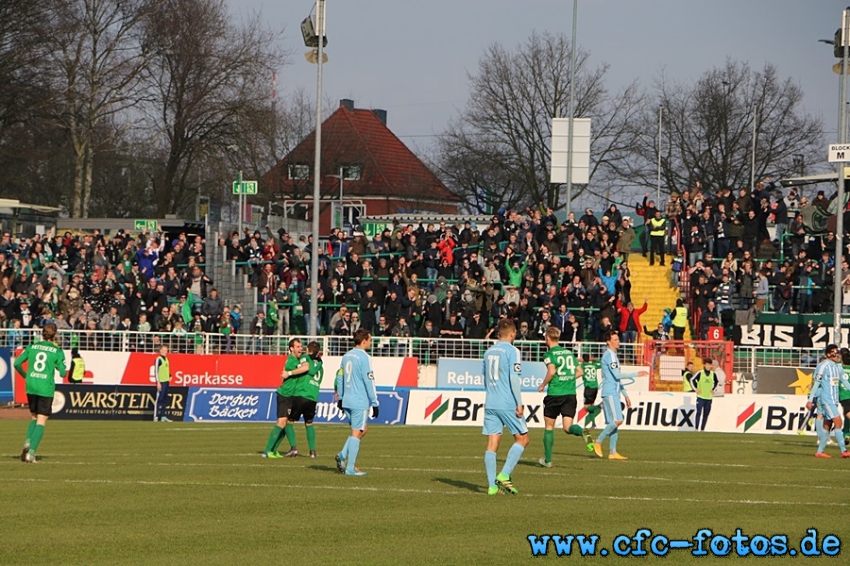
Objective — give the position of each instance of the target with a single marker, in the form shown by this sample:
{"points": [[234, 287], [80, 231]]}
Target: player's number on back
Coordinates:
{"points": [[493, 368], [566, 366], [590, 374], [40, 362], [348, 368]]}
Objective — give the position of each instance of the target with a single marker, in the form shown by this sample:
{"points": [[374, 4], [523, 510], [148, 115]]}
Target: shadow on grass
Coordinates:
{"points": [[787, 453], [324, 468], [461, 484]]}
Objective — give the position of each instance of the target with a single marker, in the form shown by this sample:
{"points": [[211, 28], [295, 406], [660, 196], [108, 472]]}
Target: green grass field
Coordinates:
{"points": [[181, 493]]}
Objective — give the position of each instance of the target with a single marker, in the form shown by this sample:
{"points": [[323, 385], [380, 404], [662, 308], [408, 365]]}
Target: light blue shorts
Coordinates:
{"points": [[495, 420], [828, 410], [612, 408], [358, 418]]}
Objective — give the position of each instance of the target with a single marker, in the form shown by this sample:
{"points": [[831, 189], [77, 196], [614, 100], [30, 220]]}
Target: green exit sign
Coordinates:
{"points": [[245, 188], [149, 225]]}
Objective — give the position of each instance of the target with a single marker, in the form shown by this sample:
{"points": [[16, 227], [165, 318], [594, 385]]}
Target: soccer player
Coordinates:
{"points": [[704, 382], [295, 367], [844, 395], [356, 389], [590, 376], [45, 359], [562, 369], [612, 387], [304, 401], [503, 407], [828, 375], [162, 369]]}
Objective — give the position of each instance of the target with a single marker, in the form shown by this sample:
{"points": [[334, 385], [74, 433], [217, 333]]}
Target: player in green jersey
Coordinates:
{"points": [[304, 401], [562, 369], [591, 370], [45, 359], [844, 394], [297, 364]]}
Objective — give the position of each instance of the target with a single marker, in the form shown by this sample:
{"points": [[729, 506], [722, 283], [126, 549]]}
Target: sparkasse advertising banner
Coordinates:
{"points": [[260, 405], [766, 414], [218, 370]]}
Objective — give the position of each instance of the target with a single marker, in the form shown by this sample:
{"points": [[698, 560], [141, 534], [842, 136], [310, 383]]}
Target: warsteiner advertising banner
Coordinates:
{"points": [[110, 402]]}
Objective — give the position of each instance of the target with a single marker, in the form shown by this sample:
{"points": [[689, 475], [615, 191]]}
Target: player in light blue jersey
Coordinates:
{"points": [[355, 385], [612, 387], [503, 407], [828, 374]]}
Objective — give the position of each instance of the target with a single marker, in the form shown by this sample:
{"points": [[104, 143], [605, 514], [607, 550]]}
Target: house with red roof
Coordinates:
{"points": [[380, 175]]}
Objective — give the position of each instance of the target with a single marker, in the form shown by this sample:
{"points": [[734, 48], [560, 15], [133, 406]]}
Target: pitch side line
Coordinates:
{"points": [[431, 491]]}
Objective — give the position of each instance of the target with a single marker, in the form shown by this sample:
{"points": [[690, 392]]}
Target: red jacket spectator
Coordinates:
{"points": [[634, 313], [446, 247]]}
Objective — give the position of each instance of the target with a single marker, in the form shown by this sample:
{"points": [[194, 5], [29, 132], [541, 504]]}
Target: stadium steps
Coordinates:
{"points": [[654, 284]]}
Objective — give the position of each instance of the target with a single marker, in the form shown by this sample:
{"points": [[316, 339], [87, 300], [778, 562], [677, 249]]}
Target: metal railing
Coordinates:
{"points": [[747, 359]]}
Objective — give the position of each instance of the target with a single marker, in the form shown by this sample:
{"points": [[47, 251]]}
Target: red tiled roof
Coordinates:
{"points": [[358, 136]]}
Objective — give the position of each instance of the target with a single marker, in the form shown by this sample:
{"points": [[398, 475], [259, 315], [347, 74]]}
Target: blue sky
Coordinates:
{"points": [[412, 58]]}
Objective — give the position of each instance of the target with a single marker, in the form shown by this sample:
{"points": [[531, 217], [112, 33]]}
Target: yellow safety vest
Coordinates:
{"points": [[680, 318], [79, 370], [657, 226]]}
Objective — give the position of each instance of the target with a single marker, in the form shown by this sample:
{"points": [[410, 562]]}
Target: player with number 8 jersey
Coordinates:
{"points": [[43, 360]]}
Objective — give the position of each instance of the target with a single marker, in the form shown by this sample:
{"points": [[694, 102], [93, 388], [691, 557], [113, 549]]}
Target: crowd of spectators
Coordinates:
{"points": [[735, 265], [440, 280], [92, 282]]}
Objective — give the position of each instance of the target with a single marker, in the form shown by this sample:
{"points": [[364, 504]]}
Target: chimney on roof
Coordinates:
{"points": [[346, 103], [381, 114]]}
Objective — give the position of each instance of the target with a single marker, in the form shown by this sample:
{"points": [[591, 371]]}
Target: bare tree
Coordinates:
{"points": [[206, 76], [94, 60], [497, 152], [708, 130]]}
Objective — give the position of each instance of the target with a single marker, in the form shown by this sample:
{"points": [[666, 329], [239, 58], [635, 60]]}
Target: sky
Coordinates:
{"points": [[412, 58]]}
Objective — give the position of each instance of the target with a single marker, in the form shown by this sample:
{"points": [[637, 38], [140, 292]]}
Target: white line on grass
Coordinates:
{"points": [[430, 491], [725, 483]]}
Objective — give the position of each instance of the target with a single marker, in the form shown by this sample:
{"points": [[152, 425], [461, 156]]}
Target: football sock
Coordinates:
{"points": [[273, 438], [823, 435], [612, 441], [280, 436], [290, 435], [36, 438], [353, 449], [575, 430], [513, 457], [606, 432], [548, 443], [846, 428], [311, 437], [30, 430], [343, 454], [490, 467], [839, 438], [593, 412]]}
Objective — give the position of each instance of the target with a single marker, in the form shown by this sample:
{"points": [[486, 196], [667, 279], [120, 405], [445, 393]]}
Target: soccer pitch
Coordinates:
{"points": [[182, 493]]}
